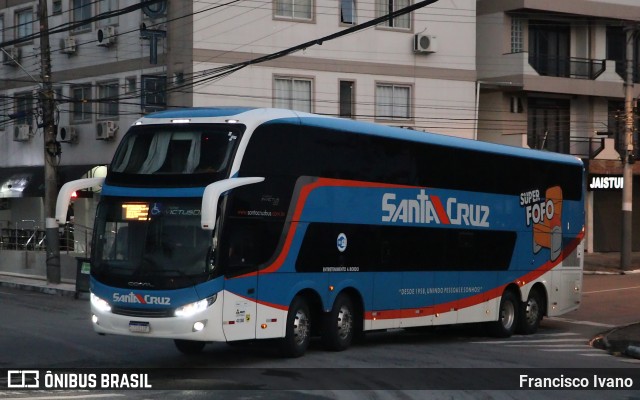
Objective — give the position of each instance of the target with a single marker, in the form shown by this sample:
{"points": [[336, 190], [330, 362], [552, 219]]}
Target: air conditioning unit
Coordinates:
{"points": [[22, 133], [11, 57], [425, 43], [67, 134], [106, 130], [68, 45], [106, 36]]}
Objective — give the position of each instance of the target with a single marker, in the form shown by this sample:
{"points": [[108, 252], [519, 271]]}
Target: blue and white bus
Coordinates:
{"points": [[228, 224]]}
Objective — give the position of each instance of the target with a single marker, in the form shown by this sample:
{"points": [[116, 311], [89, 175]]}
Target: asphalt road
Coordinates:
{"points": [[49, 332]]}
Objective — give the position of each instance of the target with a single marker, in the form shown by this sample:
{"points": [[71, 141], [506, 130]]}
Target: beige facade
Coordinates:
{"points": [[551, 76]]}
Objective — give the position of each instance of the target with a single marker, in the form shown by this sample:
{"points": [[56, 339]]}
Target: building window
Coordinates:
{"points": [[292, 93], [294, 9], [154, 93], [549, 124], [105, 7], [517, 35], [81, 10], [56, 7], [23, 108], [108, 100], [81, 103], [24, 23], [393, 101], [131, 85], [347, 99], [384, 7], [1, 28], [348, 12]]}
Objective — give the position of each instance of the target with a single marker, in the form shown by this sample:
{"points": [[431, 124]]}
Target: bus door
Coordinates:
{"points": [[241, 282]]}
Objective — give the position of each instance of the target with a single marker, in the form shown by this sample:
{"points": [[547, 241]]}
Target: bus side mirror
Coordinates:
{"points": [[212, 194], [64, 196]]}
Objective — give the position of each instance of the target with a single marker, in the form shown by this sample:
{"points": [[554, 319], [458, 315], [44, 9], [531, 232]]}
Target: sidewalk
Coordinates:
{"points": [[624, 340]]}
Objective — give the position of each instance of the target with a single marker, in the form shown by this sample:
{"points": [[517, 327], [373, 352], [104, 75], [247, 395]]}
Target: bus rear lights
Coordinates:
{"points": [[331, 288], [198, 326], [94, 319], [263, 326], [99, 304], [193, 308]]}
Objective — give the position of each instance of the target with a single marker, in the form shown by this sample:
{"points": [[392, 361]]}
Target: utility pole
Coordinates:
{"points": [[51, 149], [628, 154]]}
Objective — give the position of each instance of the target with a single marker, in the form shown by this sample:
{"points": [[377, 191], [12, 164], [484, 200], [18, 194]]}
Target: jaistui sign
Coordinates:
{"points": [[605, 182]]}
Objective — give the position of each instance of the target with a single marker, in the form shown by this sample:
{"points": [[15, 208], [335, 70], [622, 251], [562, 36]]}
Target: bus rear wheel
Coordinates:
{"points": [[531, 313], [189, 346], [339, 324], [298, 332], [507, 321]]}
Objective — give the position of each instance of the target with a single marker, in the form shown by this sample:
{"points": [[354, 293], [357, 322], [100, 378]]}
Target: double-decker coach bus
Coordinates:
{"points": [[228, 224]]}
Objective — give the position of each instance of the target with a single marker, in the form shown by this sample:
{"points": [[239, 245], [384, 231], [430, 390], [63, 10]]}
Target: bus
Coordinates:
{"points": [[233, 224]]}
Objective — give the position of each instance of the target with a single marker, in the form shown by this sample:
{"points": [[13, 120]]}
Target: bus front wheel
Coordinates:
{"points": [[189, 346], [339, 324], [507, 321], [298, 332]]}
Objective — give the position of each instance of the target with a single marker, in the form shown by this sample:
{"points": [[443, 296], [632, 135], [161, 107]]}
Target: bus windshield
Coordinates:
{"points": [[162, 154], [158, 244]]}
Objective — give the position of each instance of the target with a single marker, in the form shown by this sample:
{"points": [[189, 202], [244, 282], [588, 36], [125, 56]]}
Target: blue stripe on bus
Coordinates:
{"points": [[200, 112], [109, 190]]}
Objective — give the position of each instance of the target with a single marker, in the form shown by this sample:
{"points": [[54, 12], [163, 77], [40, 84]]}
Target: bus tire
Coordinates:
{"points": [[189, 346], [339, 324], [531, 313], [298, 330], [507, 321]]}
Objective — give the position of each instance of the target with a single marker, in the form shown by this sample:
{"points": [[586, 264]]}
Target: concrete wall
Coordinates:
{"points": [[33, 264]]}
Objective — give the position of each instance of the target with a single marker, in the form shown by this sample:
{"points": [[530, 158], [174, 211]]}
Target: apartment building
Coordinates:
{"points": [[551, 76], [115, 60]]}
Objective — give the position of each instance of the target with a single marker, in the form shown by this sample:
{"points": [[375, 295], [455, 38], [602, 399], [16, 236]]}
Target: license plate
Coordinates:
{"points": [[139, 327]]}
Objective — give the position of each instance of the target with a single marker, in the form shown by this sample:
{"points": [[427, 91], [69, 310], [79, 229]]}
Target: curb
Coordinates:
{"points": [[39, 285]]}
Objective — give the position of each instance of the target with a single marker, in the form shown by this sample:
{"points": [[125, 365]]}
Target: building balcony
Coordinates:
{"points": [[567, 67]]}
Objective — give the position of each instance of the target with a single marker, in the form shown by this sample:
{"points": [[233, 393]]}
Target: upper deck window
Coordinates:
{"points": [[176, 149]]}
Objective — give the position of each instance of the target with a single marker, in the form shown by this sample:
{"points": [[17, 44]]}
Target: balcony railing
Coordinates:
{"points": [[586, 147], [579, 146], [566, 67]]}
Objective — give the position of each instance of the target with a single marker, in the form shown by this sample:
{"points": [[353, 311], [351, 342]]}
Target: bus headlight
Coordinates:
{"points": [[193, 308], [99, 304]]}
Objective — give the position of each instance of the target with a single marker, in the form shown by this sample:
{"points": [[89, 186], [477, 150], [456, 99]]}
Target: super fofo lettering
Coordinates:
{"points": [[537, 210], [426, 209]]}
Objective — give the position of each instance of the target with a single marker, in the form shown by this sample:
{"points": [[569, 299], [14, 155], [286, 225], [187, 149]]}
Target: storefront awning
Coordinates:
{"points": [[29, 181]]}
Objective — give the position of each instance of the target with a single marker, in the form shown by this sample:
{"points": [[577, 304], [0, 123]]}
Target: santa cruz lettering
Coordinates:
{"points": [[134, 298], [426, 209]]}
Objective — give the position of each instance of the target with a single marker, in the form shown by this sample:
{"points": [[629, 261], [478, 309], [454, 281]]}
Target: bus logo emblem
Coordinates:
{"points": [[342, 242]]}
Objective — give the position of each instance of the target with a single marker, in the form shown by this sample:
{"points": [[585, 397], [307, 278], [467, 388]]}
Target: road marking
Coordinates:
{"points": [[532, 342], [52, 397], [588, 323], [612, 290]]}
